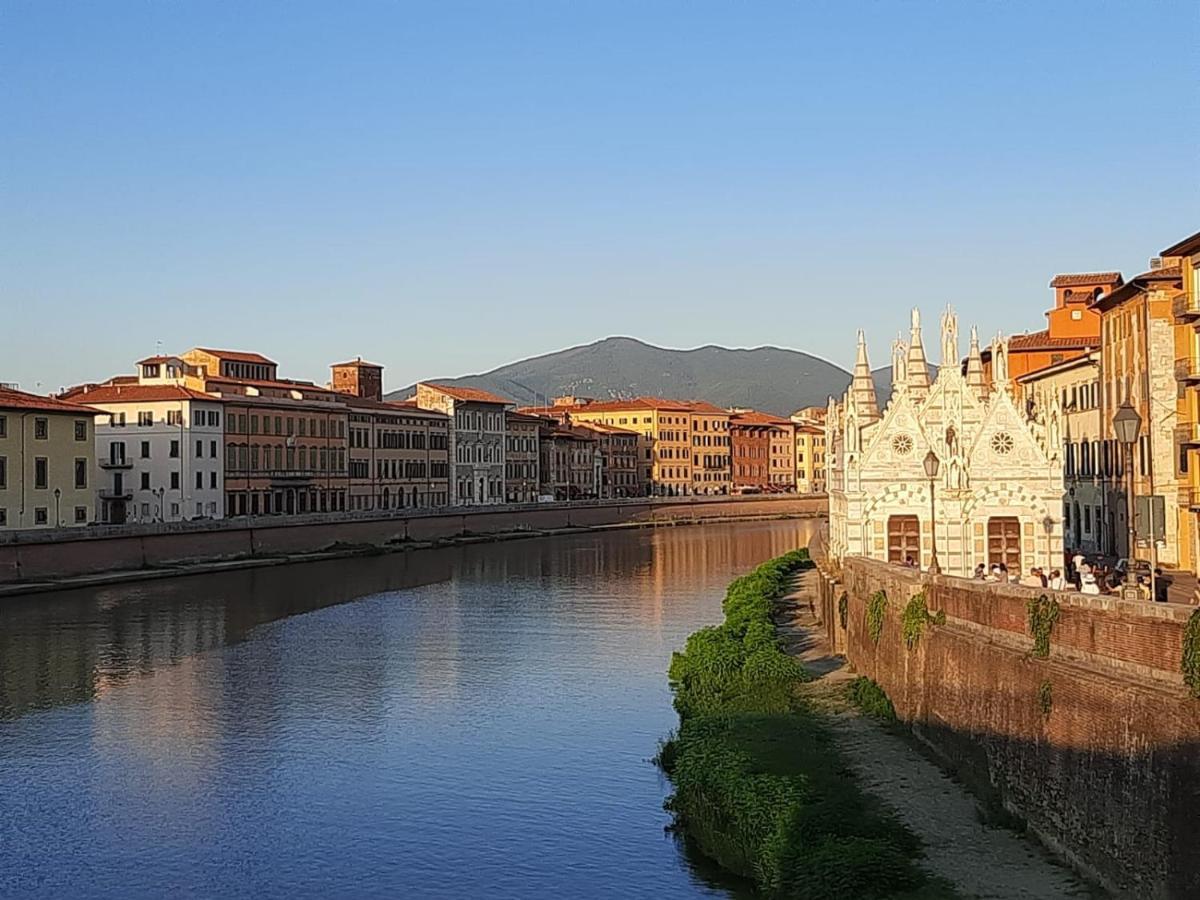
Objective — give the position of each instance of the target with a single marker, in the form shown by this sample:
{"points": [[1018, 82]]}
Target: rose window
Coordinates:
{"points": [[902, 445], [1002, 443]]}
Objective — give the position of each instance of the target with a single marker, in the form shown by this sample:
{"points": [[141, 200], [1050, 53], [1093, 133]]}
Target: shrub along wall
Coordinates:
{"points": [[1073, 710], [759, 785]]}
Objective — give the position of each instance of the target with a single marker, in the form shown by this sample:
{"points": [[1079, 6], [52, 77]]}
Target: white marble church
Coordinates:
{"points": [[998, 492]]}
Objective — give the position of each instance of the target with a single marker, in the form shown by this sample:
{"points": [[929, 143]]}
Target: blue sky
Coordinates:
{"points": [[446, 187]]}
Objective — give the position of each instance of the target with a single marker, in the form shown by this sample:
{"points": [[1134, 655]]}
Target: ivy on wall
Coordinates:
{"points": [[843, 608], [1045, 698], [1190, 663], [876, 607], [916, 617], [1043, 613]]}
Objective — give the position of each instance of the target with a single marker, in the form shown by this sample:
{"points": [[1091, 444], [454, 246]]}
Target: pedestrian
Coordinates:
{"points": [[994, 574], [1087, 581], [981, 572], [1033, 579], [1056, 580], [1161, 587]]}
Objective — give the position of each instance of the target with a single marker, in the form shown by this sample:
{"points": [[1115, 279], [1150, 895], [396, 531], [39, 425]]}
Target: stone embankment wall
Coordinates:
{"points": [[1096, 746], [46, 555]]}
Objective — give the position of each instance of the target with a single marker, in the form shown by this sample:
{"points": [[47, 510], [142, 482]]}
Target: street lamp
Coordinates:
{"points": [[1048, 524], [1128, 424], [57, 508], [932, 463]]}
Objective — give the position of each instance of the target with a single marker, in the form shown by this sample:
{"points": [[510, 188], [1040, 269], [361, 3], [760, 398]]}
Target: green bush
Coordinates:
{"points": [[868, 696], [758, 783]]}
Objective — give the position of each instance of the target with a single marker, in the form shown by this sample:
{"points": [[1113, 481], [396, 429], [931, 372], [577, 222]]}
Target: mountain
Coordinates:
{"points": [[769, 379]]}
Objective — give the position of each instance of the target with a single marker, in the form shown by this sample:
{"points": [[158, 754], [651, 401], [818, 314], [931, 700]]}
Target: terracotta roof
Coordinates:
{"points": [[1135, 286], [10, 398], [607, 429], [238, 356], [1189, 246], [1041, 340], [358, 363], [290, 384], [155, 359], [466, 394], [138, 393], [754, 417], [1085, 278], [810, 429], [518, 416], [396, 407], [708, 409]]}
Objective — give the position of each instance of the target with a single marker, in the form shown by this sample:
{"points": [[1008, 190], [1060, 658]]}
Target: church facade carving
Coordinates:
{"points": [[998, 493]]}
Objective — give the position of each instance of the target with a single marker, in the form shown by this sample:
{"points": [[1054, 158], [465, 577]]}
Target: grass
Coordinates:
{"points": [[759, 785]]}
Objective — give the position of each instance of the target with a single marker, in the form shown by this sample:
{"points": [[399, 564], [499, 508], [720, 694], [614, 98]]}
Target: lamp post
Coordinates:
{"points": [[57, 508], [1127, 424], [1048, 524], [932, 463]]}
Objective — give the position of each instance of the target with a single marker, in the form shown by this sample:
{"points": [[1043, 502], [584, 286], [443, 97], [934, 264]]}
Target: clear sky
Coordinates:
{"points": [[446, 187]]}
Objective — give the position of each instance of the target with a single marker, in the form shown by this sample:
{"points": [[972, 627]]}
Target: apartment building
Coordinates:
{"points": [[711, 459], [522, 457], [810, 456], [1185, 257], [399, 456], [477, 440], [1144, 363], [570, 462], [47, 461], [763, 452], [620, 456], [160, 448]]}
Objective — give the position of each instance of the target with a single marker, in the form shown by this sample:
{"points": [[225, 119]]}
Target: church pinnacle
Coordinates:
{"points": [[976, 380], [918, 366], [862, 385]]}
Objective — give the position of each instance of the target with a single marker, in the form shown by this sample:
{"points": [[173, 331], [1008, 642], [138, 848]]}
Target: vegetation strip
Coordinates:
{"points": [[759, 784]]}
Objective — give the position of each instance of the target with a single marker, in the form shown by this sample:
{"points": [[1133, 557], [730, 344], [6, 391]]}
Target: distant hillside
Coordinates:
{"points": [[770, 379]]}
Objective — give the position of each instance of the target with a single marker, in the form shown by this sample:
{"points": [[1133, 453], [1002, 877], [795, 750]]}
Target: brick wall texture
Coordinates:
{"points": [[1109, 777]]}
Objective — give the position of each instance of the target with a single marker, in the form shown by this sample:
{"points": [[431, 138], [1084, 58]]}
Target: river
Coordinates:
{"points": [[460, 723]]}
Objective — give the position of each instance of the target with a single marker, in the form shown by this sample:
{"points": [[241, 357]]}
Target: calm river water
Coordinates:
{"points": [[467, 722]]}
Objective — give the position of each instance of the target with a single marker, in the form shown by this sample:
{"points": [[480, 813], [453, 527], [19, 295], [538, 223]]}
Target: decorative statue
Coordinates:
{"points": [[1000, 361], [899, 362]]}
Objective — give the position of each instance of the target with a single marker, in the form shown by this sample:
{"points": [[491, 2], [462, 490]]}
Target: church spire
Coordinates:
{"points": [[975, 377], [862, 385], [918, 366]]}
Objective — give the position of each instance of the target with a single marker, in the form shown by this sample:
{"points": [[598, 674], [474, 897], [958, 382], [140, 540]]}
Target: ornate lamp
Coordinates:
{"points": [[932, 464]]}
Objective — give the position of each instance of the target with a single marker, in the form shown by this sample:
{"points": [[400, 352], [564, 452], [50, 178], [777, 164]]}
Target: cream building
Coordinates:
{"points": [[1091, 492], [46, 460], [997, 496]]}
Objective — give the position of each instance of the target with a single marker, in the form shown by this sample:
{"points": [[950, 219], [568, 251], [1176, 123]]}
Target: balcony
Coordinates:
{"points": [[1186, 308], [108, 493], [116, 463], [1187, 370]]}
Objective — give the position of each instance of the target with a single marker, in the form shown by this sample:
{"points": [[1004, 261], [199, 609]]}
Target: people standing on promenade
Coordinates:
{"points": [[1056, 582]]}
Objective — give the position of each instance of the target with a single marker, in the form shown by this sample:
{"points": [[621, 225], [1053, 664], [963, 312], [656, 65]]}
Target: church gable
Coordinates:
{"points": [[1005, 440], [897, 445]]}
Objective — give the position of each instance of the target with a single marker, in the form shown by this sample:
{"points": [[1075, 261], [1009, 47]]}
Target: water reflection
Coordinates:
{"points": [[476, 724]]}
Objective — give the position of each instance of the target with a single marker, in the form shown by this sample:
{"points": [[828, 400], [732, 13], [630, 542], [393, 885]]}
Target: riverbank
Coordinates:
{"points": [[760, 784], [341, 550]]}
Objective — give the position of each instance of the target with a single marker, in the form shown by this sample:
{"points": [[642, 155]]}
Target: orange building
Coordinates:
{"points": [[712, 469], [1072, 326], [764, 452]]}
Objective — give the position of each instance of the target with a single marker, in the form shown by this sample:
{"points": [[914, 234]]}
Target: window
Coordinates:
{"points": [[212, 449], [174, 417], [904, 538], [199, 449], [3, 516], [174, 449], [80, 430], [175, 510], [145, 481], [1004, 541], [145, 419], [198, 417], [80, 515], [3, 426], [41, 472], [39, 516], [81, 469], [145, 449], [3, 471], [212, 480], [174, 481], [214, 419], [199, 480], [41, 428]]}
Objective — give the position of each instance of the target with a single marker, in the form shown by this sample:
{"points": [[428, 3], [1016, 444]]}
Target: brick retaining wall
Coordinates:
{"points": [[1110, 777]]}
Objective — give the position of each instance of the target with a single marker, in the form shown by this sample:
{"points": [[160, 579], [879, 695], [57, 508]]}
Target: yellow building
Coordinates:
{"points": [[712, 472], [1146, 354], [667, 427], [810, 457], [1185, 256], [47, 453]]}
